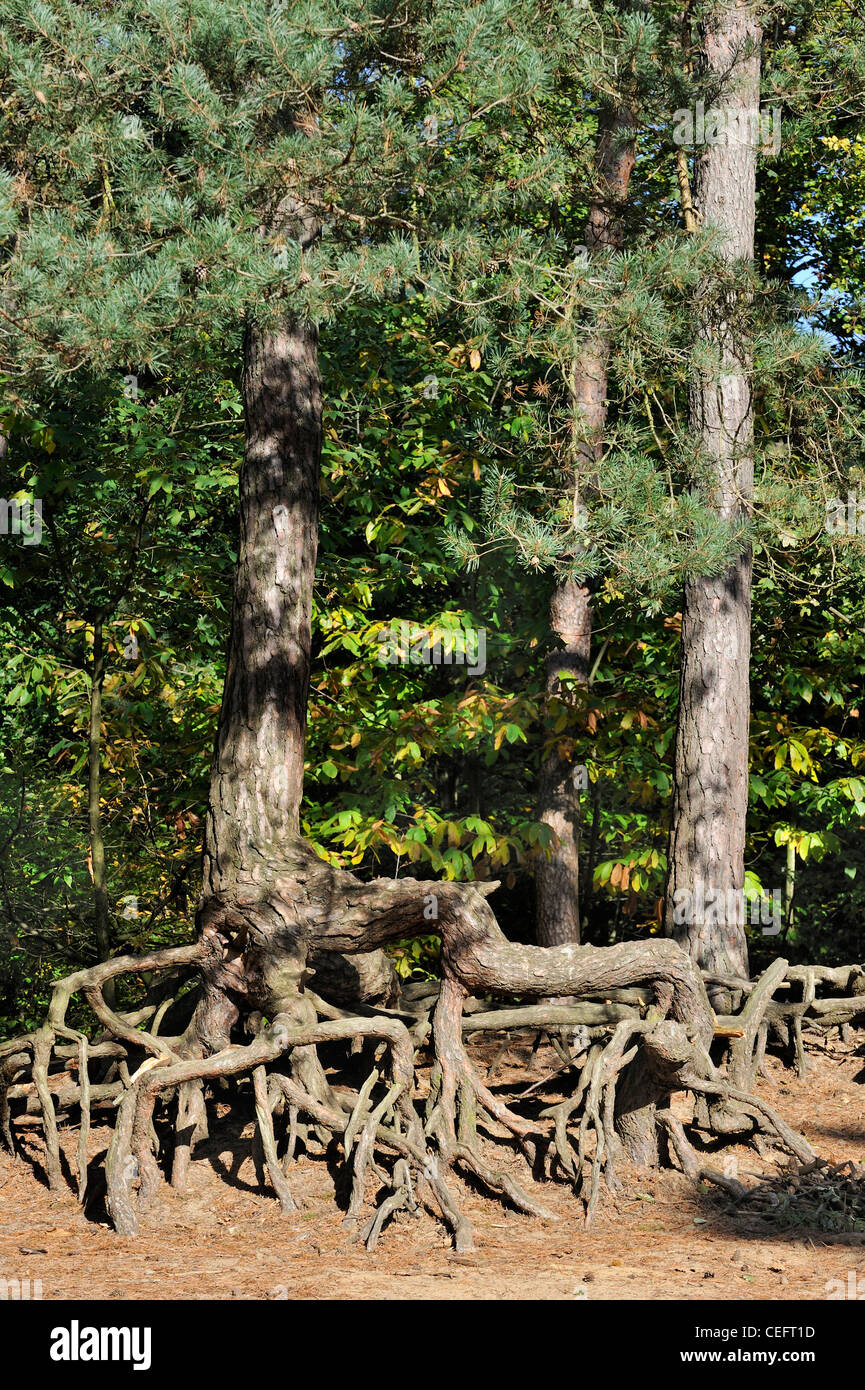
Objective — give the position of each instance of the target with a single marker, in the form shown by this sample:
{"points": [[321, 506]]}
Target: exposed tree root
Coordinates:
{"points": [[784, 1019], [640, 1030]]}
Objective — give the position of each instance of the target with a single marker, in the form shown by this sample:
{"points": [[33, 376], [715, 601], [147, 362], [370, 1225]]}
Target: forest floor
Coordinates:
{"points": [[661, 1237]]}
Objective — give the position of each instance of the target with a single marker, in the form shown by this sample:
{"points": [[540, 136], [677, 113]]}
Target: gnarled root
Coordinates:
{"points": [[784, 1016], [390, 1125], [647, 1029]]}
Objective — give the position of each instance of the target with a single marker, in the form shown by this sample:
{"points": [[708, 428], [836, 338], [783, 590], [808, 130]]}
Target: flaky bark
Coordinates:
{"points": [[557, 878], [256, 782], [710, 791]]}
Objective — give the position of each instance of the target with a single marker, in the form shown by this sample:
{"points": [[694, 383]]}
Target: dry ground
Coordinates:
{"points": [[662, 1237]]}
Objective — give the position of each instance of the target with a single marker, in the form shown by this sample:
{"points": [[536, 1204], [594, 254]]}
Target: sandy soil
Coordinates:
{"points": [[662, 1237]]}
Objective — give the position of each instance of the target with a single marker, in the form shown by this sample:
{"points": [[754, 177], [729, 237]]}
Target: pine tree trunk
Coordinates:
{"points": [[257, 774], [557, 879], [710, 792]]}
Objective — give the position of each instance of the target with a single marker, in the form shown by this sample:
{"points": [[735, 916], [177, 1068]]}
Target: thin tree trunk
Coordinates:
{"points": [[704, 906], [789, 884], [557, 879], [101, 907]]}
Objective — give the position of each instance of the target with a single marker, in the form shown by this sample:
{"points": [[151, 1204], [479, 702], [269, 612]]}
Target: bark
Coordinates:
{"points": [[710, 791], [789, 883], [557, 879]]}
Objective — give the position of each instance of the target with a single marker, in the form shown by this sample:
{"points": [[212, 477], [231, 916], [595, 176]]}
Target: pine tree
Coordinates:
{"points": [[710, 785]]}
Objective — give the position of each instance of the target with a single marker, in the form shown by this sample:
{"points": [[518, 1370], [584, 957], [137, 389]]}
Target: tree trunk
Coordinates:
{"points": [[704, 905], [557, 879], [101, 908], [257, 773]]}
